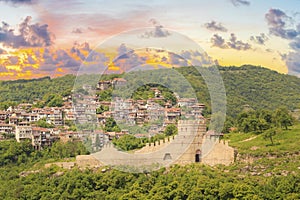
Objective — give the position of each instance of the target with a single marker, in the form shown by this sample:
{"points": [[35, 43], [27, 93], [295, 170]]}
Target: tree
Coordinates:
{"points": [[128, 142], [283, 118], [42, 123], [111, 125], [102, 109], [269, 134], [171, 129], [53, 100], [56, 101], [97, 142]]}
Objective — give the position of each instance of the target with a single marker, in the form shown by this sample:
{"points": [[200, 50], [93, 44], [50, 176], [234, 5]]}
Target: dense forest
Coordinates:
{"points": [[246, 86]]}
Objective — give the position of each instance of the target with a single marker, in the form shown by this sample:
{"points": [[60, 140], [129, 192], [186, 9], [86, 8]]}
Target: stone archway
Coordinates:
{"points": [[198, 156]]}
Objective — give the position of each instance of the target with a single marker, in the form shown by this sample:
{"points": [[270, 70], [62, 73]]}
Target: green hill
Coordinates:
{"points": [[246, 85], [27, 91], [257, 87]]}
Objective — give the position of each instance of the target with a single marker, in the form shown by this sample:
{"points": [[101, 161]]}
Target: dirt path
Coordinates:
{"points": [[251, 138]]}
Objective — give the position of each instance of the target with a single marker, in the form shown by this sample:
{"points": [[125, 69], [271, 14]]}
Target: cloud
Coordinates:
{"points": [[295, 44], [283, 26], [197, 58], [292, 60], [240, 2], [218, 41], [177, 60], [2, 51], [259, 39], [127, 58], [77, 31], [232, 43], [214, 26], [277, 21], [237, 44], [80, 50], [30, 35], [13, 60], [123, 49], [158, 32], [15, 2], [3, 68]]}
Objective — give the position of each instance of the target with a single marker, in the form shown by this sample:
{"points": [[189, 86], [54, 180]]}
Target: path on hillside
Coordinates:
{"points": [[249, 139]]}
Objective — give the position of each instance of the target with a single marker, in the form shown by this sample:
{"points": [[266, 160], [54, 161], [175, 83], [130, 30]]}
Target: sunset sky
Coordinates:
{"points": [[52, 38]]}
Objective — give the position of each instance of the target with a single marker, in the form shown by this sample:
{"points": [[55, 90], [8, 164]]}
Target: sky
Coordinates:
{"points": [[52, 38]]}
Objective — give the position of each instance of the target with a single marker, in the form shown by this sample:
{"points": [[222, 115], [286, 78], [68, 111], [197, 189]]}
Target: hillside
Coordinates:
{"points": [[273, 173], [27, 91], [258, 87], [247, 85]]}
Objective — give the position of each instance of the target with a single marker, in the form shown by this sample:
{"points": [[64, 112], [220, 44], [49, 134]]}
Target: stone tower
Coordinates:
{"points": [[193, 152]]}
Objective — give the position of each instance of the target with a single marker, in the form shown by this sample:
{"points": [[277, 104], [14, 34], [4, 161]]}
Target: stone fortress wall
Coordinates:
{"points": [[202, 148]]}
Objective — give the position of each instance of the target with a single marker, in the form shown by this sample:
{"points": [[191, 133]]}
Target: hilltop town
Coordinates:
{"points": [[45, 125]]}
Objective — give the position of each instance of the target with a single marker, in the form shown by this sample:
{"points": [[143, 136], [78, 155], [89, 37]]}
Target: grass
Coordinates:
{"points": [[285, 143], [280, 159]]}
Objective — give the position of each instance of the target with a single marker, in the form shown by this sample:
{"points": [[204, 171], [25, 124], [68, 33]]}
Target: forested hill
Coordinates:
{"points": [[257, 87], [260, 88], [19, 91], [247, 85]]}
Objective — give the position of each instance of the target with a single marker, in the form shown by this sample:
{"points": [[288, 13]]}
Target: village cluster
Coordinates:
{"points": [[20, 121]]}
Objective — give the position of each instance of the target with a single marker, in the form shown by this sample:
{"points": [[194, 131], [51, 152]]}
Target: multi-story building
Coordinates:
{"points": [[23, 133], [7, 128], [3, 116], [43, 137]]}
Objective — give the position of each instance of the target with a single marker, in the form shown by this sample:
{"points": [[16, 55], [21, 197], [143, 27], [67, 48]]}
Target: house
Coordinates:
{"points": [[29, 117], [24, 106], [70, 116], [188, 102], [103, 85], [7, 128], [112, 135], [55, 117], [23, 133], [99, 139], [13, 119], [171, 114], [43, 137], [3, 116], [141, 116], [37, 110], [119, 82], [157, 92]]}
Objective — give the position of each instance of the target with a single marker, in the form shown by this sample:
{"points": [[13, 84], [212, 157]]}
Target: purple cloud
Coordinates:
{"points": [[295, 44], [237, 44], [259, 39], [16, 2], [218, 41], [30, 35], [214, 26], [292, 61], [2, 51], [277, 21], [158, 31], [233, 43], [77, 31], [240, 2]]}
